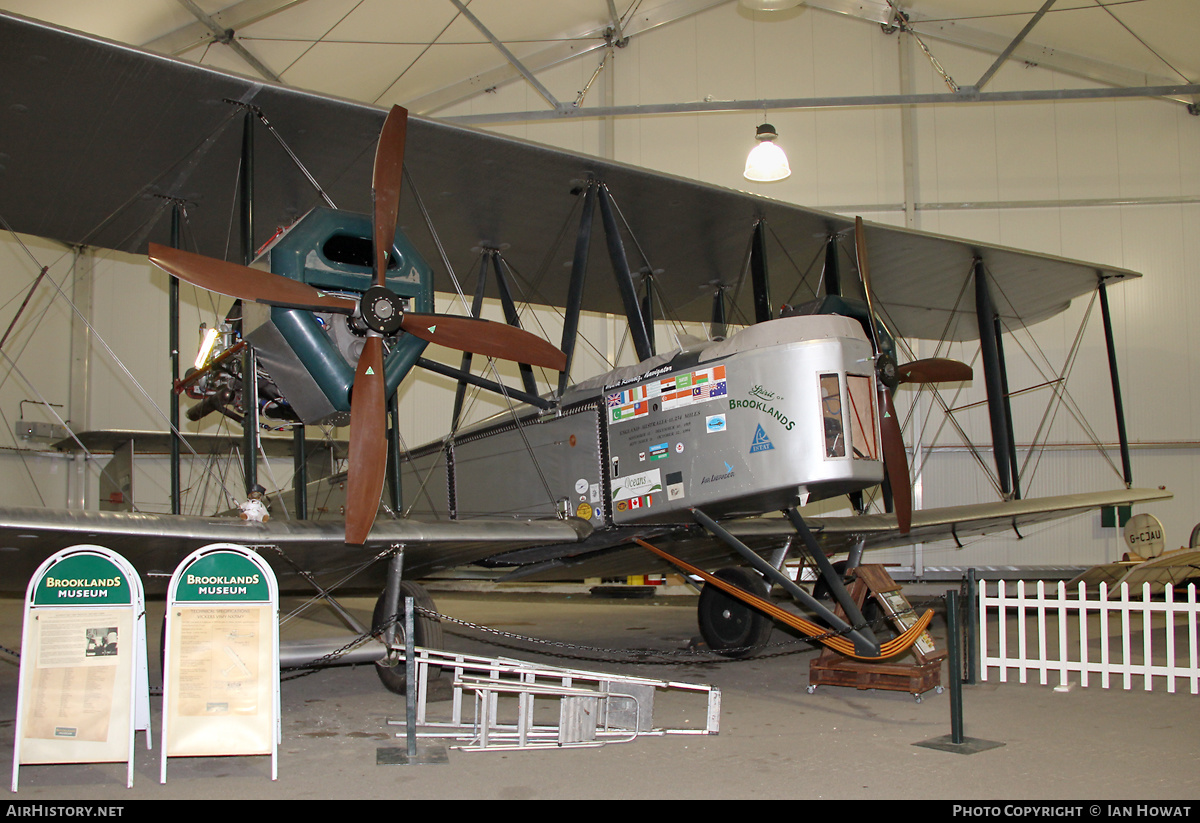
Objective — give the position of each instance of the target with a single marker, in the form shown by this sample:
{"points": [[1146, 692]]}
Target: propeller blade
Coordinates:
{"points": [[895, 462], [935, 370], [386, 178], [895, 458], [246, 283], [368, 450], [484, 337], [864, 271]]}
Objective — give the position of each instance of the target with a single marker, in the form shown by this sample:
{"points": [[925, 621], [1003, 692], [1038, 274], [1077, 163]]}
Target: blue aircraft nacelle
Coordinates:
{"points": [[312, 356]]}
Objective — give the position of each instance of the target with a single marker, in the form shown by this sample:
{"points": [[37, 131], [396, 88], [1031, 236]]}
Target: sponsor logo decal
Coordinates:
{"points": [[675, 487], [761, 442], [713, 478], [638, 485]]}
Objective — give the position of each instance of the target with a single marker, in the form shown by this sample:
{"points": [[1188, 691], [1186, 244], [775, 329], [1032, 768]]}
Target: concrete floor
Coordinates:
{"points": [[775, 741]]}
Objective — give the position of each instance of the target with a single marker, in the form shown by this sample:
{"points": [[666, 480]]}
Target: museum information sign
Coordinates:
{"points": [[84, 689], [221, 657]]}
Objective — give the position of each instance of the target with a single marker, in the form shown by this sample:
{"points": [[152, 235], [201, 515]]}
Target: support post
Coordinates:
{"points": [[1118, 404], [864, 641], [575, 292], [648, 310], [620, 264], [511, 317], [955, 662], [1014, 464], [759, 274], [173, 333], [972, 607], [832, 579], [397, 496], [985, 315], [299, 472], [476, 309], [391, 597], [410, 679], [832, 275], [249, 362], [718, 327]]}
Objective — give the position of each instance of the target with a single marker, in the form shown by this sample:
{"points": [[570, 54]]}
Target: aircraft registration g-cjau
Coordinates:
{"points": [[683, 449]]}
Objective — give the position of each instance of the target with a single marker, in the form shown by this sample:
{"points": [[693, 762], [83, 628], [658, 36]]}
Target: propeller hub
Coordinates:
{"points": [[887, 371], [382, 310]]}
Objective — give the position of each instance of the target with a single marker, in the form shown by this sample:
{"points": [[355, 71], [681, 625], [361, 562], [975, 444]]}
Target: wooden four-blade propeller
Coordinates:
{"points": [[890, 375], [383, 313]]}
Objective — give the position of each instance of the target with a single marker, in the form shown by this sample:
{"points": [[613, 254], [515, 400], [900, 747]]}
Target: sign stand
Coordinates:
{"points": [[873, 581], [84, 688], [221, 658]]}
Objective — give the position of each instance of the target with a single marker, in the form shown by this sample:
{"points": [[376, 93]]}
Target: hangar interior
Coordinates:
{"points": [[1111, 180]]}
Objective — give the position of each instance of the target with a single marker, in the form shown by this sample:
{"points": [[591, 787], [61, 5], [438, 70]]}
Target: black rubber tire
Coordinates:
{"points": [[427, 632], [729, 626]]}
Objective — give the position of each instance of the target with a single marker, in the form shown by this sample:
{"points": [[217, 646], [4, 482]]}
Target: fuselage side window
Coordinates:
{"points": [[864, 443], [831, 414]]}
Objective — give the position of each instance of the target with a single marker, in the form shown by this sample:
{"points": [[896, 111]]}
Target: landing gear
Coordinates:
{"points": [[824, 592], [427, 631], [729, 626]]}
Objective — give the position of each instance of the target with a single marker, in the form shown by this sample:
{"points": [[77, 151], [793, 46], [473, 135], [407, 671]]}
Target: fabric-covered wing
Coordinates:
{"points": [[1172, 568], [834, 534], [156, 543], [99, 139]]}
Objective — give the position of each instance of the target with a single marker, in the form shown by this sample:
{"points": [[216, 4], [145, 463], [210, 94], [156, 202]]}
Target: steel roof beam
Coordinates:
{"points": [[570, 48], [237, 16], [226, 35], [1011, 47], [508, 55], [965, 95]]}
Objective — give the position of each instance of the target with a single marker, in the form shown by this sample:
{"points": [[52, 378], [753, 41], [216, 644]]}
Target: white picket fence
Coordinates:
{"points": [[1089, 633]]}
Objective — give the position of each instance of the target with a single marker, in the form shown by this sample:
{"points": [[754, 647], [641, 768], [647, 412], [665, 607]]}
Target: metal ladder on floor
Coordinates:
{"points": [[509, 704]]}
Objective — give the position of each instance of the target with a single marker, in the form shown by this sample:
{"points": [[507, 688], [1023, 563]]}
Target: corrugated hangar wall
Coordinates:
{"points": [[1115, 182]]}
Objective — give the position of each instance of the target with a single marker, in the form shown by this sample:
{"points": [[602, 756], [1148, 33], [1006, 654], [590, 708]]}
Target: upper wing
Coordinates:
{"points": [[155, 544], [100, 138]]}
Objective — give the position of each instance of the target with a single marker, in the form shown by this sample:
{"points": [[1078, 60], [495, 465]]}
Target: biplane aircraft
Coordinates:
{"points": [[700, 458]]}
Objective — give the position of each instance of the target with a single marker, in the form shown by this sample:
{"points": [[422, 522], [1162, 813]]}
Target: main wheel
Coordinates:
{"points": [[427, 632], [728, 625]]}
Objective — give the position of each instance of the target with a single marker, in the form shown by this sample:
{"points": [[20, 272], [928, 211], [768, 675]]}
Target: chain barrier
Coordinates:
{"points": [[642, 656], [565, 650]]}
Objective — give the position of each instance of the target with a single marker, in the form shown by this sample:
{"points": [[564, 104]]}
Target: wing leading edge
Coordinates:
{"points": [[101, 138], [155, 543], [834, 534]]}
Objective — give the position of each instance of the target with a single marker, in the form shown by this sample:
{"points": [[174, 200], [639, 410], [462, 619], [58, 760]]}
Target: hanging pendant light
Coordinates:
{"points": [[766, 162]]}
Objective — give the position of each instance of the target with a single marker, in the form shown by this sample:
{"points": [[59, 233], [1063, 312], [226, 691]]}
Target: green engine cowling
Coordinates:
{"points": [[312, 357]]}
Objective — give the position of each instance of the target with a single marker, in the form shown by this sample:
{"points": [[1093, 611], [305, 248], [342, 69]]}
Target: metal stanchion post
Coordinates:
{"points": [[972, 601], [410, 679], [956, 741]]}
